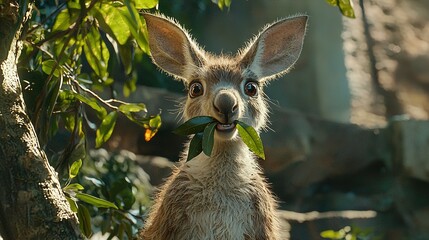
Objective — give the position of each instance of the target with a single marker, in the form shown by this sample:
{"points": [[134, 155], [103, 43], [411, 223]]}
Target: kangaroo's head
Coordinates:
{"points": [[227, 88]]}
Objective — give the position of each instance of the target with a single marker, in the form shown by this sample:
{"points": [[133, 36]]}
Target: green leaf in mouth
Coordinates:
{"points": [[194, 125], [196, 146], [251, 138], [208, 138], [204, 129]]}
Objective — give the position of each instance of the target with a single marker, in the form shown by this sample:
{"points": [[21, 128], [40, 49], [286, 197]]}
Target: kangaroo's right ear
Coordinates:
{"points": [[171, 47]]}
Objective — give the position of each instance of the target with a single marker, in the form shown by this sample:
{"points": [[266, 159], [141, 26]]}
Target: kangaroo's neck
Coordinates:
{"points": [[229, 159]]}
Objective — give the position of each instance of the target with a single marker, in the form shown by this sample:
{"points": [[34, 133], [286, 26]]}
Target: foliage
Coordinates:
{"points": [[203, 128], [116, 178], [222, 3], [71, 52], [350, 233], [345, 6]]}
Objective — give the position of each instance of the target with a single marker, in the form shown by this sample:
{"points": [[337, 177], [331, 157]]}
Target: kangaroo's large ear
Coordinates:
{"points": [[171, 47], [275, 49]]}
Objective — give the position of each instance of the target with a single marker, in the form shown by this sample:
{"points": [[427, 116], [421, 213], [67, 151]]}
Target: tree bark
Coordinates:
{"points": [[32, 204]]}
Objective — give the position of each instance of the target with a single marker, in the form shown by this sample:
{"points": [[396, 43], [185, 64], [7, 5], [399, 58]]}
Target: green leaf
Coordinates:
{"points": [[84, 220], [194, 125], [96, 52], [222, 3], [74, 169], [227, 3], [65, 19], [208, 138], [155, 122], [125, 52], [331, 234], [92, 102], [135, 23], [50, 65], [132, 107], [98, 202], [73, 205], [145, 4], [113, 22], [64, 100], [152, 127], [105, 130], [196, 146], [122, 191], [251, 138], [74, 187], [346, 8]]}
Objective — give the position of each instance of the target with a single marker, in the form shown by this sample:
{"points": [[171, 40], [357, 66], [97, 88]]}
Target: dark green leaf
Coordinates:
{"points": [[98, 202], [208, 138], [64, 100], [122, 191], [72, 203], [105, 130], [194, 125], [125, 52], [96, 52], [251, 138], [74, 169], [196, 146], [78, 151], [129, 230], [84, 220], [69, 121], [92, 102], [130, 85]]}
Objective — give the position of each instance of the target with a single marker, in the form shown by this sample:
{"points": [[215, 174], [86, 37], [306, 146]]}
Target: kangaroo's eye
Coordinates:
{"points": [[195, 89], [251, 89]]}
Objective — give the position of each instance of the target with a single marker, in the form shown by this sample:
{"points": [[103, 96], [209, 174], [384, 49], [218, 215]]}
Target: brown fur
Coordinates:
{"points": [[222, 196]]}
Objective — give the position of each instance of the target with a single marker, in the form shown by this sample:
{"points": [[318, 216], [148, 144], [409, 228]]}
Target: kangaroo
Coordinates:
{"points": [[223, 196]]}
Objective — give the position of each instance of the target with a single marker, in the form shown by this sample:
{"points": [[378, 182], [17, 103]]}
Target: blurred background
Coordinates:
{"points": [[349, 139]]}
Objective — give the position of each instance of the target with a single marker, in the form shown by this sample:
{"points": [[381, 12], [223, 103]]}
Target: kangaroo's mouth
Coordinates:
{"points": [[228, 127]]}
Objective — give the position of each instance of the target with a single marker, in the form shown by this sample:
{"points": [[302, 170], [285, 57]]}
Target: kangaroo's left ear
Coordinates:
{"points": [[275, 49], [171, 47]]}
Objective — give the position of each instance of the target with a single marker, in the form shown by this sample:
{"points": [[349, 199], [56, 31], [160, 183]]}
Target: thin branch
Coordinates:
{"points": [[94, 95]]}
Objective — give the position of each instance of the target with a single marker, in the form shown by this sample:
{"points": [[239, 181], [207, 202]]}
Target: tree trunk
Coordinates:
{"points": [[32, 204]]}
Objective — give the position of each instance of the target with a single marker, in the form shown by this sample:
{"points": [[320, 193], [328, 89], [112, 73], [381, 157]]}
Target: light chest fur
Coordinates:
{"points": [[220, 197]]}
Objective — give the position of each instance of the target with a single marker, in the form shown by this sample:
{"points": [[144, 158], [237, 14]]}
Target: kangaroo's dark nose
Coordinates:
{"points": [[226, 105]]}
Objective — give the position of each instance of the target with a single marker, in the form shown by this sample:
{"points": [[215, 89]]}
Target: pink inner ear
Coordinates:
{"points": [[170, 42], [281, 40]]}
